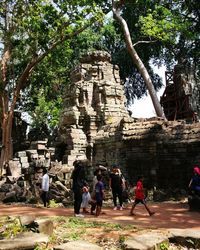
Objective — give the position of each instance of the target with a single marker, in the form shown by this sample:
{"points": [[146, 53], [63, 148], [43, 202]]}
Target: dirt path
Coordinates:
{"points": [[168, 215]]}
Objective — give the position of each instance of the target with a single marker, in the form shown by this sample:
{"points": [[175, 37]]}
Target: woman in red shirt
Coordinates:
{"points": [[140, 197]]}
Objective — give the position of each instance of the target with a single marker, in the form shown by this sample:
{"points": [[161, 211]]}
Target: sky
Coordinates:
{"points": [[143, 108]]}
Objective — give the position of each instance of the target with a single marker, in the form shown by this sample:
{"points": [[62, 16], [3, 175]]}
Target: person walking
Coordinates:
{"points": [[45, 188], [116, 183], [78, 178], [99, 195], [140, 197]]}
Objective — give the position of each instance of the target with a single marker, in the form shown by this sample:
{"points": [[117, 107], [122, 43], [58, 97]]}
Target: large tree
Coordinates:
{"points": [[161, 33], [116, 7], [29, 32]]}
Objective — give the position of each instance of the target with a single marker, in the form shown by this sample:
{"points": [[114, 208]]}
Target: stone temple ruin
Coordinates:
{"points": [[96, 127]]}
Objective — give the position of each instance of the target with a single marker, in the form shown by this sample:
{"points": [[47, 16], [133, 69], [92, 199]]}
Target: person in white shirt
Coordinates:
{"points": [[45, 187]]}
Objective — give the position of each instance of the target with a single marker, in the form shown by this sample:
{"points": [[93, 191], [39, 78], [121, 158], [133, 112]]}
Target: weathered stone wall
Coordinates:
{"points": [[164, 152], [96, 126]]}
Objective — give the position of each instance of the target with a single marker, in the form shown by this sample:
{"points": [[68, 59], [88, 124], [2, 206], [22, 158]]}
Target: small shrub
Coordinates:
{"points": [[53, 204], [164, 246]]}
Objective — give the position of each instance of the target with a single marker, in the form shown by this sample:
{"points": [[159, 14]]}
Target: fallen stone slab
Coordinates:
{"points": [[45, 226], [78, 245], [146, 241], [26, 219], [185, 237], [24, 241]]}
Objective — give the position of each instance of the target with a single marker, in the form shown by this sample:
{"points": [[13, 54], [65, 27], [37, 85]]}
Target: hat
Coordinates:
{"points": [[115, 166], [197, 170]]}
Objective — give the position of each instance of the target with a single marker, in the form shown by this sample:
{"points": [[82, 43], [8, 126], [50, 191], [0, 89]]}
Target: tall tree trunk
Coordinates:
{"points": [[137, 61], [7, 147]]}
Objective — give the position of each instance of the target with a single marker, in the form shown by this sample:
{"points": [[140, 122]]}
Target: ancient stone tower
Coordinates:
{"points": [[94, 98], [181, 98]]}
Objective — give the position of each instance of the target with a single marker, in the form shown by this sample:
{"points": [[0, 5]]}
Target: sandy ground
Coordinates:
{"points": [[168, 215]]}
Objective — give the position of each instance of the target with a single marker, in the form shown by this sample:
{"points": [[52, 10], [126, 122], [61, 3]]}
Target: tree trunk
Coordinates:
{"points": [[137, 61], [7, 147]]}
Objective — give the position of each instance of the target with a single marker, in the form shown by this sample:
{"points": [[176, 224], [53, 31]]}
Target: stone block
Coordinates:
{"points": [[23, 159], [31, 151], [21, 154], [23, 241], [25, 165], [78, 245], [15, 168], [146, 241], [45, 226], [41, 147], [26, 219]]}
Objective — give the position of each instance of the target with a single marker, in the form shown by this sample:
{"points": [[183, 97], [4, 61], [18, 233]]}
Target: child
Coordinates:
{"points": [[85, 198], [99, 194], [140, 197]]}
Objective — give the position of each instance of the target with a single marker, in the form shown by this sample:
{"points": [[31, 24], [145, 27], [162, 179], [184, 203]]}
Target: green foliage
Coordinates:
{"points": [[164, 246], [42, 247], [97, 37], [163, 25], [47, 111], [53, 204], [11, 227], [35, 38]]}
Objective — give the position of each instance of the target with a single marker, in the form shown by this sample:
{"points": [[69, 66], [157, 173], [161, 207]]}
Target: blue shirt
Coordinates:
{"points": [[99, 191]]}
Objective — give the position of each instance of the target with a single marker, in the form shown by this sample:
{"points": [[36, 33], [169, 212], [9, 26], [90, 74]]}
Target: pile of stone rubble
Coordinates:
{"points": [[21, 176]]}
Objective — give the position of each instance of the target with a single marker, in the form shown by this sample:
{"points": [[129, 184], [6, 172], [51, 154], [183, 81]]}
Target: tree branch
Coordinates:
{"points": [[143, 42]]}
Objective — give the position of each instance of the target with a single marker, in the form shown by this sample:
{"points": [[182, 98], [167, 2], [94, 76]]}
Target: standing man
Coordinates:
{"points": [[78, 177], [45, 187], [116, 183]]}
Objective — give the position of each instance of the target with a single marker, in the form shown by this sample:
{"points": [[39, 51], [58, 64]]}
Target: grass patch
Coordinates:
{"points": [[67, 229], [74, 228], [10, 227]]}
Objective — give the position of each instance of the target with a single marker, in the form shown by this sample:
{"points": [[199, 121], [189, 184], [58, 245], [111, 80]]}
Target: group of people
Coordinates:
{"points": [[82, 195], [117, 184], [83, 198]]}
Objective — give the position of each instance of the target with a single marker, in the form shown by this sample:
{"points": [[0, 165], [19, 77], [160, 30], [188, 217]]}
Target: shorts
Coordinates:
{"points": [[139, 201], [99, 203]]}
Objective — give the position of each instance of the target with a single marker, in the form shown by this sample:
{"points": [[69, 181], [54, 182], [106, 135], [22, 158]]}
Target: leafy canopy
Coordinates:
{"points": [[35, 38]]}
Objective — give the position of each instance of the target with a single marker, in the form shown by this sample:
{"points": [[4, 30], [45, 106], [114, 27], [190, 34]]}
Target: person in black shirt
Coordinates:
{"points": [[116, 184], [78, 177]]}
